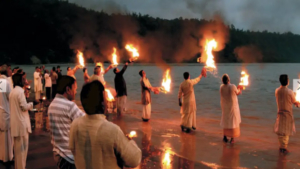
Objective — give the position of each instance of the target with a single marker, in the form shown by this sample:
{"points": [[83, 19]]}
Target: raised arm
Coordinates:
{"points": [[238, 90], [124, 68], [76, 68], [108, 68], [127, 150], [23, 103], [196, 80]]}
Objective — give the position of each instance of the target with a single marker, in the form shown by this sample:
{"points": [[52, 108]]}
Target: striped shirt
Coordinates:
{"points": [[62, 113]]}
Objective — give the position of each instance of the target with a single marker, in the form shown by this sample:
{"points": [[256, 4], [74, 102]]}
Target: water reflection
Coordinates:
{"points": [[188, 151], [230, 156]]}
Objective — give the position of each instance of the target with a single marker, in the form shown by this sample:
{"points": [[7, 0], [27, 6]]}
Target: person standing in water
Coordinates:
{"points": [[231, 117], [285, 125]]}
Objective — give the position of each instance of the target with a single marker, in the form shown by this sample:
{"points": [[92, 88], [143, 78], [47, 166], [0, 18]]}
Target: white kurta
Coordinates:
{"points": [[146, 97], [285, 99], [231, 117], [38, 86], [6, 141], [188, 108]]}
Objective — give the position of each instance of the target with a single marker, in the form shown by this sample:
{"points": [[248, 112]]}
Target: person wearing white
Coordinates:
{"points": [[146, 95], [38, 86], [188, 104], [99, 75], [6, 141], [20, 121], [71, 72], [48, 84], [231, 117]]}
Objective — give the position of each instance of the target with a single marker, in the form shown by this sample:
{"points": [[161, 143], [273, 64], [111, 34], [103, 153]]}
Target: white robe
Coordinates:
{"points": [[38, 86], [231, 117], [188, 108]]}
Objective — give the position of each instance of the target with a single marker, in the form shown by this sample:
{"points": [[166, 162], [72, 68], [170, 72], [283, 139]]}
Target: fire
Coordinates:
{"points": [[134, 51], [167, 159], [114, 57], [110, 97], [297, 96], [166, 83], [244, 79], [210, 45], [80, 58], [101, 65], [132, 134]]}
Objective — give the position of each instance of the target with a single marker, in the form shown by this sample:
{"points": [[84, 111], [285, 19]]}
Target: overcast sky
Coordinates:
{"points": [[272, 15]]}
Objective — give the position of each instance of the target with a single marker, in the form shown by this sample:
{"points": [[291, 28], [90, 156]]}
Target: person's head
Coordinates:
{"points": [[53, 69], [47, 71], [3, 71], [91, 97], [116, 70], [43, 67], [142, 73], [84, 70], [8, 66], [97, 70], [225, 79], [58, 68], [37, 69], [68, 68], [67, 86], [186, 75], [284, 80], [18, 80], [9, 71], [15, 70], [20, 71]]}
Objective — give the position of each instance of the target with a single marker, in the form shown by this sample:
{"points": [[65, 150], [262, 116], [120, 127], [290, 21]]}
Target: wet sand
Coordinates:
{"points": [[256, 148]]}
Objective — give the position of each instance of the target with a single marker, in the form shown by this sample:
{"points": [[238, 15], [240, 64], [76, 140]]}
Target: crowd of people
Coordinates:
{"points": [[84, 139]]}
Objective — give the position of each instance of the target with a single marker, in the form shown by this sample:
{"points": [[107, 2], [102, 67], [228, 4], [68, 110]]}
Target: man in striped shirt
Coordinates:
{"points": [[62, 112]]}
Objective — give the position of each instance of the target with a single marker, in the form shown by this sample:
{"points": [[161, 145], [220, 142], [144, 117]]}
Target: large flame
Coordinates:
{"points": [[114, 57], [210, 45], [134, 51], [167, 160], [166, 83], [80, 58], [110, 97], [101, 65], [244, 79]]}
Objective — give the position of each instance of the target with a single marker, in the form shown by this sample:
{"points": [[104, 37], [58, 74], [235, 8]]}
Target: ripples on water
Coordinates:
{"points": [[257, 100]]}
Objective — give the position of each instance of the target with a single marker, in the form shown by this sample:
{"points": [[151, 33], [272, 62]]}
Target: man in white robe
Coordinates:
{"points": [[20, 121], [6, 141], [285, 125], [188, 102], [231, 117], [146, 95], [38, 86]]}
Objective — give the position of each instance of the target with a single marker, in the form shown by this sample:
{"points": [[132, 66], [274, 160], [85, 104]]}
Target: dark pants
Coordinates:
{"points": [[54, 86], [48, 93], [61, 163]]}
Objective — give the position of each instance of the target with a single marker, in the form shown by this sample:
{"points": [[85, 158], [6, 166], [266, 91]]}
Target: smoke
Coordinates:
{"points": [[248, 54]]}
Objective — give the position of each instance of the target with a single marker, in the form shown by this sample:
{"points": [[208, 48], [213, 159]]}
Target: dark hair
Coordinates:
{"points": [[15, 68], [36, 67], [284, 79], [68, 68], [17, 80], [92, 98], [225, 79], [58, 67], [186, 75], [20, 71], [4, 72], [141, 73], [64, 82], [84, 69], [54, 69], [115, 70], [8, 65], [96, 70]]}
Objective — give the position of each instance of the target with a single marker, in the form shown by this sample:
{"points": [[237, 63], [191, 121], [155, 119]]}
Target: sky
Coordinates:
{"points": [[257, 15]]}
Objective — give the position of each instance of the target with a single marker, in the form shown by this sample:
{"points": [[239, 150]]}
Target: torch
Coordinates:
{"points": [[244, 79], [210, 63], [166, 83], [134, 51]]}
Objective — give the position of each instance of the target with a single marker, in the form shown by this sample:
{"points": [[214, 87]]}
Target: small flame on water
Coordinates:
{"points": [[166, 83], [114, 57], [110, 97], [167, 159], [80, 58], [134, 51]]}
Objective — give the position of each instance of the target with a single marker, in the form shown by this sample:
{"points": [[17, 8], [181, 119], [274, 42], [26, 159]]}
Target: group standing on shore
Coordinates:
{"points": [[82, 139]]}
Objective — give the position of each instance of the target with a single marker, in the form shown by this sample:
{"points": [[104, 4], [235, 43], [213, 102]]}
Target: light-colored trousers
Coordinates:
{"points": [[37, 95], [147, 111], [21, 149], [121, 104], [283, 141], [6, 146], [188, 120]]}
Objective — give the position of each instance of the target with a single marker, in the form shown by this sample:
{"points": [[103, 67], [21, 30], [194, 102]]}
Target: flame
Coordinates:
{"points": [[167, 159], [114, 57], [80, 58], [298, 95], [210, 45], [101, 65], [166, 83], [110, 97], [134, 51], [244, 79], [132, 134]]}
